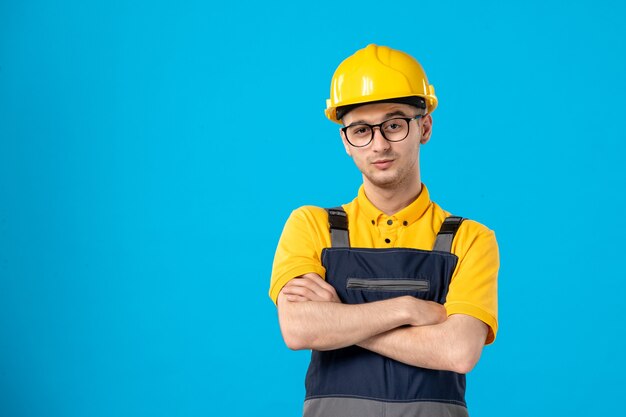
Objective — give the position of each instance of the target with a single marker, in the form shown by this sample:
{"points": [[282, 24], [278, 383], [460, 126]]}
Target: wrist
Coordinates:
{"points": [[404, 310]]}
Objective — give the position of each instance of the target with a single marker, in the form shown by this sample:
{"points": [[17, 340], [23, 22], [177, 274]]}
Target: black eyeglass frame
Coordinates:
{"points": [[382, 132]]}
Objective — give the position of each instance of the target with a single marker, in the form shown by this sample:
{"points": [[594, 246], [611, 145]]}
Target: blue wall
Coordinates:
{"points": [[150, 153]]}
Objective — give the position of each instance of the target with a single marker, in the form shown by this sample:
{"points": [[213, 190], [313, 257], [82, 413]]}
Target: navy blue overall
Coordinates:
{"points": [[353, 381]]}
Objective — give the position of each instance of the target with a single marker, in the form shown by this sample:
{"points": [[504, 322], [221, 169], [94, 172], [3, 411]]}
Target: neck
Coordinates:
{"points": [[391, 201]]}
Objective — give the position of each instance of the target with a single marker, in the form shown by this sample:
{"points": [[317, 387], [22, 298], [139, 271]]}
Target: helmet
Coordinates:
{"points": [[375, 74]]}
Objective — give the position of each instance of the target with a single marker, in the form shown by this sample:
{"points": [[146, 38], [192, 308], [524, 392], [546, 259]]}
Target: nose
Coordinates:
{"points": [[379, 143]]}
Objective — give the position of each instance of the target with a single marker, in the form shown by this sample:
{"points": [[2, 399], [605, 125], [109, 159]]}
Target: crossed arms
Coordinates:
{"points": [[406, 329]]}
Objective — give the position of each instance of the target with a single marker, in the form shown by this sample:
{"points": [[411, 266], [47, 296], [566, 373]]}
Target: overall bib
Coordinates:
{"points": [[353, 381]]}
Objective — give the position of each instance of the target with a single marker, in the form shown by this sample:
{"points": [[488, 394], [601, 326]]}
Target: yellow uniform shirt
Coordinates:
{"points": [[473, 288]]}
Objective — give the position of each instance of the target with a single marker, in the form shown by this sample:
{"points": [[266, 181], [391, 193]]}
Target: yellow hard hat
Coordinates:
{"points": [[378, 73]]}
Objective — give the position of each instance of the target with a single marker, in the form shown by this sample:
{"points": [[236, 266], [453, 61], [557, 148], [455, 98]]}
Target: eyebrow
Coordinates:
{"points": [[387, 116]]}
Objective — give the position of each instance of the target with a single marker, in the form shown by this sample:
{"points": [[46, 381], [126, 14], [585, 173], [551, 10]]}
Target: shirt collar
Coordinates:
{"points": [[409, 214]]}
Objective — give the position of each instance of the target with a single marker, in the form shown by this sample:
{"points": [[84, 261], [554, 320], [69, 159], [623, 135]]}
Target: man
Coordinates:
{"points": [[395, 297]]}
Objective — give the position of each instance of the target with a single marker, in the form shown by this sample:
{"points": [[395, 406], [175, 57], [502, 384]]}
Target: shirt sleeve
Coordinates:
{"points": [[299, 248], [474, 287]]}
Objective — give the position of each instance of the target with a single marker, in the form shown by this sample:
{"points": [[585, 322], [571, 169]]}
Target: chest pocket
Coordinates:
{"points": [[388, 288], [363, 275], [387, 285]]}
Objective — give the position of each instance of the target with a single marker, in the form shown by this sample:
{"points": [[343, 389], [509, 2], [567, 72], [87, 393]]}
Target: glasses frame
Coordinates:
{"points": [[382, 132]]}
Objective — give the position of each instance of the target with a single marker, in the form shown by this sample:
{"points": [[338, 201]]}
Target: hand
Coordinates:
{"points": [[310, 287], [424, 313]]}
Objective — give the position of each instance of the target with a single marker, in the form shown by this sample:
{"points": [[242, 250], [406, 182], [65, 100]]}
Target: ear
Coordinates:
{"points": [[426, 129], [346, 145]]}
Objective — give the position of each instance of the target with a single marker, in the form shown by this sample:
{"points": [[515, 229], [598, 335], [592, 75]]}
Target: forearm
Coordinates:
{"points": [[454, 345], [329, 325]]}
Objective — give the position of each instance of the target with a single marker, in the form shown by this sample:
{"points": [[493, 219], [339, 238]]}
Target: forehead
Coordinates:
{"points": [[378, 112]]}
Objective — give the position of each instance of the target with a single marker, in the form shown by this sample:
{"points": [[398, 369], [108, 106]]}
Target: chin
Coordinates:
{"points": [[383, 181]]}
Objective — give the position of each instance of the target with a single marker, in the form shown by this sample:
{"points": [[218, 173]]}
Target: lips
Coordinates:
{"points": [[382, 163]]}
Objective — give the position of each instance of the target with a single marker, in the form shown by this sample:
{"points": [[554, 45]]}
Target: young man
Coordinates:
{"points": [[394, 296]]}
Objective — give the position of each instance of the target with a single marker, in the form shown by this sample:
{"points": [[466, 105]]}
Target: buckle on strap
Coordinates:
{"points": [[451, 224], [338, 222], [446, 234], [337, 218]]}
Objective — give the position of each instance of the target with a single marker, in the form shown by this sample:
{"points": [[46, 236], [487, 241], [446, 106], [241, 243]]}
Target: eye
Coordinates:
{"points": [[393, 125], [359, 130]]}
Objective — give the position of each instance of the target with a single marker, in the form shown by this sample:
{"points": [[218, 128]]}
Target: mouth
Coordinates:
{"points": [[382, 163]]}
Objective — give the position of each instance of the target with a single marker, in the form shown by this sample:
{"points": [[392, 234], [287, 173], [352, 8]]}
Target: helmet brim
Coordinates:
{"points": [[414, 101]]}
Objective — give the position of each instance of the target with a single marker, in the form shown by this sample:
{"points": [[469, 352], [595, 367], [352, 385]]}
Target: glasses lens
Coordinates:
{"points": [[395, 129], [359, 135]]}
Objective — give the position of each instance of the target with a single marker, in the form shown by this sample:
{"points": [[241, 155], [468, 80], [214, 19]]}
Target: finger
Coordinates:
{"points": [[306, 282], [295, 298], [316, 293], [320, 289], [321, 282], [326, 293], [296, 290], [304, 291], [294, 293], [324, 285]]}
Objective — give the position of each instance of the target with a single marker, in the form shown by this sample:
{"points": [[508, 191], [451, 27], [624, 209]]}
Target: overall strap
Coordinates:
{"points": [[338, 222], [446, 234]]}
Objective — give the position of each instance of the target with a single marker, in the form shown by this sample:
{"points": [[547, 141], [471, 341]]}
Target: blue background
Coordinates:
{"points": [[150, 153]]}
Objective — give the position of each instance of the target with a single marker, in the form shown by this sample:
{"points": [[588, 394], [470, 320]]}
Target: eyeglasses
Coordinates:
{"points": [[393, 130]]}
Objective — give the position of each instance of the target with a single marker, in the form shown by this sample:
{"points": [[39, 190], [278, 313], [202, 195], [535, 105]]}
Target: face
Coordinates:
{"points": [[384, 164]]}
